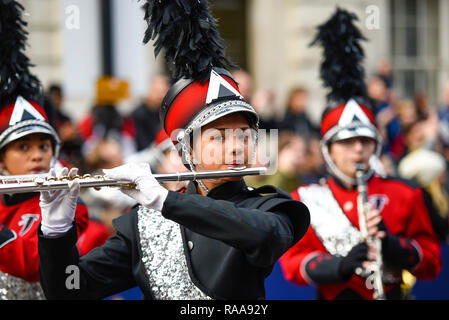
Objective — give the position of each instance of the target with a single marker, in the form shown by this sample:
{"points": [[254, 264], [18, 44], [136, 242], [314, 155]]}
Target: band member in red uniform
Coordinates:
{"points": [[332, 253], [28, 145], [217, 238]]}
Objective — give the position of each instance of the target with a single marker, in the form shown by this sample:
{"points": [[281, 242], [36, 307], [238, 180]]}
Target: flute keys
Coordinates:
{"points": [[98, 177], [39, 181]]}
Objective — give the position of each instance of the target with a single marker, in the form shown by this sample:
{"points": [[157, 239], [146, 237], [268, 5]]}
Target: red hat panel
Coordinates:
{"points": [[194, 97], [346, 114], [21, 110], [23, 118]]}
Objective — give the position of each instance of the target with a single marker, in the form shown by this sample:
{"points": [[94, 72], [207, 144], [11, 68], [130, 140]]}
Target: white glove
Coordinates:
{"points": [[58, 206], [148, 191]]}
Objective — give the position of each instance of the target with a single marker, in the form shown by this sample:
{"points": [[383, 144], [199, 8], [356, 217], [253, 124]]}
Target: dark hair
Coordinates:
{"points": [[55, 88]]}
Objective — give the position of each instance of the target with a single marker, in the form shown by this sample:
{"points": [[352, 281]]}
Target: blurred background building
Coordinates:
{"points": [[73, 42]]}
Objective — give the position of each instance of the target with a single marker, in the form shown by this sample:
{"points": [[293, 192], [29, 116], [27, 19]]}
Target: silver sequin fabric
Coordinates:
{"points": [[164, 259], [13, 288], [327, 219]]}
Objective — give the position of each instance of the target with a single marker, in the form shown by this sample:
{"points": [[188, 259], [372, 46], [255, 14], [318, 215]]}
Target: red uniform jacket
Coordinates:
{"points": [[404, 215], [20, 216]]}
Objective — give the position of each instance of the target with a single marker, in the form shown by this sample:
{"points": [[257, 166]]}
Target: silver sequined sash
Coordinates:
{"points": [[163, 257], [327, 219], [13, 288]]}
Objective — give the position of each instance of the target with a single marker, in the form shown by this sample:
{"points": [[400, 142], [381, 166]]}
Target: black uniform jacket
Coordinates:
{"points": [[238, 234]]}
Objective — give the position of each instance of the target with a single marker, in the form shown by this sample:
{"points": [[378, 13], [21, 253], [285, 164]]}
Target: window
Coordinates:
{"points": [[231, 24], [414, 47]]}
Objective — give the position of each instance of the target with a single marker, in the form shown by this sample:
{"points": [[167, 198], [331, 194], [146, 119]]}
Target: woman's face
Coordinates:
{"points": [[28, 155], [346, 153], [224, 144]]}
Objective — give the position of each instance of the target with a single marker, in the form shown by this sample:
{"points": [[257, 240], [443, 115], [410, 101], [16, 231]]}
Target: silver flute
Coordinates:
{"points": [[42, 182], [375, 271]]}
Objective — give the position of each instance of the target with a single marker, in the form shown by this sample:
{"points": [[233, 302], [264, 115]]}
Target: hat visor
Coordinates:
{"points": [[216, 111], [348, 133], [27, 130]]}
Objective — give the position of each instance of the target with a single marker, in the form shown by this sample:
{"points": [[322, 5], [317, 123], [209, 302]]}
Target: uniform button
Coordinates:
{"points": [[190, 245], [348, 206]]}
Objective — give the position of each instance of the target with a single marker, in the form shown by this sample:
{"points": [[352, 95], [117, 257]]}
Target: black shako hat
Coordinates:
{"points": [[348, 113], [202, 89]]}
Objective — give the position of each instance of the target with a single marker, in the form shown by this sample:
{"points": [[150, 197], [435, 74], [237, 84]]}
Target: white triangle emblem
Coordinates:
{"points": [[219, 87], [352, 113], [23, 110]]}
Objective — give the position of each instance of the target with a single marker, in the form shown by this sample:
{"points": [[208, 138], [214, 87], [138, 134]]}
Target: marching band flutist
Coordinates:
{"points": [[217, 238]]}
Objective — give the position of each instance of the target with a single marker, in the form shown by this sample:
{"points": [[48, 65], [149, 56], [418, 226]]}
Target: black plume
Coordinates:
{"points": [[188, 33], [341, 69], [15, 76]]}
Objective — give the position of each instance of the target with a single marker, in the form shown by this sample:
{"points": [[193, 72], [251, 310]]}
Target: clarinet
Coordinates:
{"points": [[375, 271]]}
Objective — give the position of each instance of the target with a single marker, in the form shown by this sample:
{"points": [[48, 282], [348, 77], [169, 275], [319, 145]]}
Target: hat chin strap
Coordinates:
{"points": [[337, 173], [185, 155], [198, 122], [53, 162], [332, 167], [200, 182]]}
